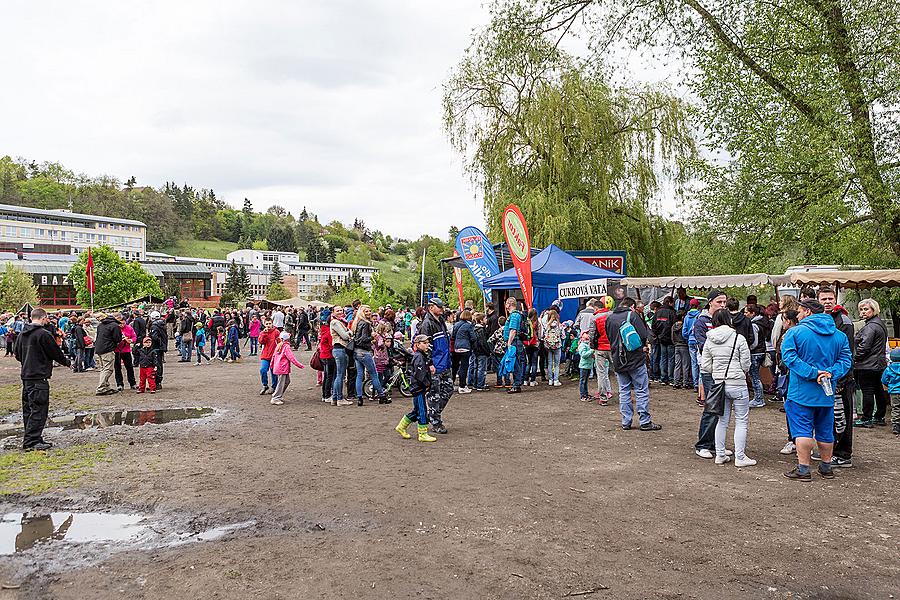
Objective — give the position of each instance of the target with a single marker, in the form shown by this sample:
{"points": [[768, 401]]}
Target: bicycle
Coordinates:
{"points": [[400, 380]]}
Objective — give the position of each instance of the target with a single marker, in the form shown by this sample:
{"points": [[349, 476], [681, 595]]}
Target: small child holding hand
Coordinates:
{"points": [[420, 383]]}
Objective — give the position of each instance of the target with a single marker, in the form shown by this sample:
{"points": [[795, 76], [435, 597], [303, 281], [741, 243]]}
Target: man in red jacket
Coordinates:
{"points": [[601, 352]]}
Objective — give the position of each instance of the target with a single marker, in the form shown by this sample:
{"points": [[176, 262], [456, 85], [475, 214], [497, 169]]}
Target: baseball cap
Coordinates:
{"points": [[713, 294], [895, 355], [437, 302], [154, 314], [421, 338], [694, 303], [284, 335]]}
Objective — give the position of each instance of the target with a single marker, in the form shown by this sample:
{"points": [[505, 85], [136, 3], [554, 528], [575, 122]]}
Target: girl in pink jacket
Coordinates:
{"points": [[281, 366]]}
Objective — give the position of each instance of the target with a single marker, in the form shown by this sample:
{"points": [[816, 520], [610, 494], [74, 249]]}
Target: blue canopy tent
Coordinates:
{"points": [[549, 268]]}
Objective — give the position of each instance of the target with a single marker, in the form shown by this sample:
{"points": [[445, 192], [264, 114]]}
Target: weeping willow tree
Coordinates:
{"points": [[585, 161]]}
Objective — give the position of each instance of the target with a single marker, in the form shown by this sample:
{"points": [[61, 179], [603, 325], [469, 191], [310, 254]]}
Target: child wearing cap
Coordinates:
{"points": [[891, 378], [281, 366], [200, 343], [145, 359], [420, 383]]}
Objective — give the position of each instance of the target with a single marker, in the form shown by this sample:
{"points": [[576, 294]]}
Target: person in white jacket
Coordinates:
{"points": [[726, 357]]}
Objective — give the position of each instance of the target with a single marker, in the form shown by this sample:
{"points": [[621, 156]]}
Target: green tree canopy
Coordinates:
{"points": [[16, 289], [115, 281]]}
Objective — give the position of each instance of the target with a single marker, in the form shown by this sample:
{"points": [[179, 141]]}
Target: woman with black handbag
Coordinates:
{"points": [[726, 357]]}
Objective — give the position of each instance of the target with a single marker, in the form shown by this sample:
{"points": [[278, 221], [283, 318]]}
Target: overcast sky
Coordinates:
{"points": [[333, 105]]}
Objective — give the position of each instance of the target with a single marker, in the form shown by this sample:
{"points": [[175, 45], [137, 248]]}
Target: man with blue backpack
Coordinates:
{"points": [[627, 333]]}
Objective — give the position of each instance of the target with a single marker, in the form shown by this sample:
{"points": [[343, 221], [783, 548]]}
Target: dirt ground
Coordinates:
{"points": [[530, 496]]}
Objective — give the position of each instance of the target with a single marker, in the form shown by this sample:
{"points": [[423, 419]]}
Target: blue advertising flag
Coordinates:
{"points": [[478, 254]]}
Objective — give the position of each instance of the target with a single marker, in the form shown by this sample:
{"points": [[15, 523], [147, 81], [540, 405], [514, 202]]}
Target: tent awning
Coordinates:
{"points": [[699, 281], [859, 280], [550, 267]]}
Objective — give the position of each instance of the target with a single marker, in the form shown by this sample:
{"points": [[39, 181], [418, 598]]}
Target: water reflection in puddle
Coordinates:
{"points": [[22, 531], [118, 417]]}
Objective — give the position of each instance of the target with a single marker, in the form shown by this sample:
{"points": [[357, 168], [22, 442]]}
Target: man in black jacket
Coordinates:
{"points": [[186, 332], [630, 366], [139, 324], [842, 455], [663, 320], [36, 350], [109, 335]]}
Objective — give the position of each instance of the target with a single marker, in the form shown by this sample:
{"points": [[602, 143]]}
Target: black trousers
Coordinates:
{"points": [[160, 359], [124, 359], [843, 441], [35, 405], [706, 436], [874, 396], [328, 377]]}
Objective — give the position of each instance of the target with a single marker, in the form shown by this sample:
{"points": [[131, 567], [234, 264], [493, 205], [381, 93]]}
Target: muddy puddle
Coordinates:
{"points": [[116, 417], [60, 541]]}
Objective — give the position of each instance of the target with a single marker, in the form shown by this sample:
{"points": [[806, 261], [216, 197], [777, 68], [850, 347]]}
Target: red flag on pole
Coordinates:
{"points": [[90, 272], [516, 233], [457, 275]]}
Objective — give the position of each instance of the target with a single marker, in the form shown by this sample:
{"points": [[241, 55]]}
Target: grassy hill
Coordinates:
{"points": [[200, 248]]}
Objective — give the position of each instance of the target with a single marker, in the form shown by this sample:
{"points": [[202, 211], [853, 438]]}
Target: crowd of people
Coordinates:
{"points": [[716, 348]]}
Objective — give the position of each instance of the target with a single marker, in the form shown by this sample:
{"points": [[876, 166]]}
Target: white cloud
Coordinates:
{"points": [[335, 105]]}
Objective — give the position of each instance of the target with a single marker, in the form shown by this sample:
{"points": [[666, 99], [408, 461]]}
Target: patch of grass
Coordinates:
{"points": [[62, 397], [38, 472], [200, 248], [397, 280]]}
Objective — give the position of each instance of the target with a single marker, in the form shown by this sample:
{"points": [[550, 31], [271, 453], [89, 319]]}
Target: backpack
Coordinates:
{"points": [[631, 341], [552, 338], [524, 333]]}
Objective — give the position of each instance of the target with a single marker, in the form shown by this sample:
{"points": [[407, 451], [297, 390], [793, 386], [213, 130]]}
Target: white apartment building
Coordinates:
{"points": [[259, 282], [310, 275], [26, 230], [315, 275], [261, 259]]}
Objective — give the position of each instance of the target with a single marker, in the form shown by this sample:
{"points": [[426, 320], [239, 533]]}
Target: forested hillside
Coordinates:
{"points": [[192, 221]]}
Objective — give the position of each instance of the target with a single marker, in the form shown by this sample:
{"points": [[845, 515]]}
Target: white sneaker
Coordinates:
{"points": [[344, 403], [789, 448], [556, 383], [465, 390], [728, 452], [744, 462], [326, 399], [550, 384], [703, 453], [276, 402], [721, 460]]}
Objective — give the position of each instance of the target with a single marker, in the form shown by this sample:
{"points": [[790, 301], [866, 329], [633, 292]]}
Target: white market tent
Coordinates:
{"points": [[857, 279]]}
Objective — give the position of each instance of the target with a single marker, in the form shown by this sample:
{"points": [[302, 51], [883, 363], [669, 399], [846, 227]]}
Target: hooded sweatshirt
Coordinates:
{"points": [[687, 330], [36, 350], [716, 352], [814, 345], [891, 378], [440, 342]]}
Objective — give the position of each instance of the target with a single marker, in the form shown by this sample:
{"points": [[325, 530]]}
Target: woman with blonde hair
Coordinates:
{"points": [[788, 302], [869, 363], [362, 349]]}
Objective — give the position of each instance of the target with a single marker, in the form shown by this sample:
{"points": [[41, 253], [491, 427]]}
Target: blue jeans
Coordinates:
{"points": [[695, 364], [521, 361], [583, 379], [531, 352], [419, 414], [638, 382], [666, 362], [265, 366], [553, 363], [480, 365], [756, 360], [254, 345], [366, 363], [187, 349], [340, 371], [472, 376]]}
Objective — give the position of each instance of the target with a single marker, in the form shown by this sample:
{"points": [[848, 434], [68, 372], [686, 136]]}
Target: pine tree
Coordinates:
{"points": [[304, 216], [277, 276], [244, 279]]}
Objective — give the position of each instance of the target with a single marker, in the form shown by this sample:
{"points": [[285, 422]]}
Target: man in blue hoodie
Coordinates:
{"points": [[687, 332], [817, 354]]}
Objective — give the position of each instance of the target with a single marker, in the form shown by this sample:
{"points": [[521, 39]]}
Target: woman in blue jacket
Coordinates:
{"points": [[463, 338]]}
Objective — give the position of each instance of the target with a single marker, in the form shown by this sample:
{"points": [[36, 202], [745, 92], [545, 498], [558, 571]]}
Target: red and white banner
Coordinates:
{"points": [[89, 272], [457, 275], [516, 233]]}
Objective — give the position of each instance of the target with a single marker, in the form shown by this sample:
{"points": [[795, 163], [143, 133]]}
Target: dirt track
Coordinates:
{"points": [[529, 496]]}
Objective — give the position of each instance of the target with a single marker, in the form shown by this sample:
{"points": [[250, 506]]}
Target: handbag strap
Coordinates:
{"points": [[733, 347]]}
